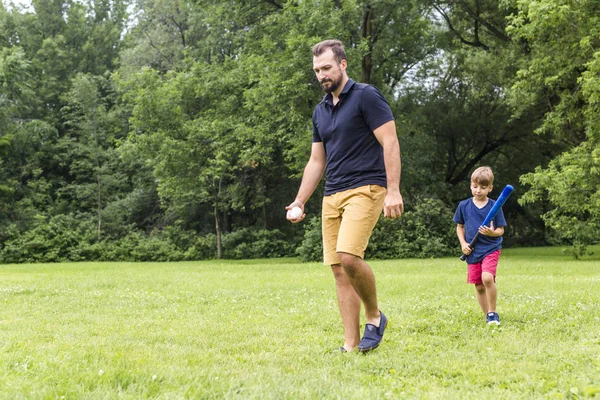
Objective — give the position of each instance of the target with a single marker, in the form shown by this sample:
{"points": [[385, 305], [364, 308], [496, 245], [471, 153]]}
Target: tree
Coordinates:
{"points": [[476, 23], [91, 126], [562, 75], [229, 125], [15, 96]]}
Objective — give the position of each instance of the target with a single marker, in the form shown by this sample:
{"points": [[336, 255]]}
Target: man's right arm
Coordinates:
{"points": [[313, 172]]}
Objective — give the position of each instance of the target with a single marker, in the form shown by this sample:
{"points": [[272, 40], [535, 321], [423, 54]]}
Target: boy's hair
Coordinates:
{"points": [[336, 47], [483, 176]]}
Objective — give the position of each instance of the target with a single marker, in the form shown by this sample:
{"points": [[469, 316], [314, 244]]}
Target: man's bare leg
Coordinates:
{"points": [[349, 306], [363, 280]]}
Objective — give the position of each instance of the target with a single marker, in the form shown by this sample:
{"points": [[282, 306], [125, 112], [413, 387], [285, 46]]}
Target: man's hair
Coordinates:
{"points": [[483, 176], [336, 47]]}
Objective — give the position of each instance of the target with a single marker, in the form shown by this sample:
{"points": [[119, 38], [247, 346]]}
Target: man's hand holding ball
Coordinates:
{"points": [[294, 214]]}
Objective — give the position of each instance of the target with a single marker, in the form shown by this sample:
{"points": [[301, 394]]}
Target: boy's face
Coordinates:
{"points": [[479, 191]]}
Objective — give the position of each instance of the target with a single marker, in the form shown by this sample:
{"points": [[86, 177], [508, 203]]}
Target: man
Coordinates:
{"points": [[355, 143]]}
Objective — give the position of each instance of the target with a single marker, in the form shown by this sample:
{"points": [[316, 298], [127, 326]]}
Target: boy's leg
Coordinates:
{"points": [[480, 289], [489, 265], [474, 276], [490, 291]]}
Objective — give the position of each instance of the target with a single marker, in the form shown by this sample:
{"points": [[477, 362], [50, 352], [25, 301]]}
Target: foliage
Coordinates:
{"points": [[180, 129], [423, 232], [571, 185], [564, 72], [311, 248], [56, 239], [74, 238], [249, 243]]}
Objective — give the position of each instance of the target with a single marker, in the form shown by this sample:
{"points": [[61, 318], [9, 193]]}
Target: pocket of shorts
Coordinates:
{"points": [[377, 191]]}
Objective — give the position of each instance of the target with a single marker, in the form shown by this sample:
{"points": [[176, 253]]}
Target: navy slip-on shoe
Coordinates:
{"points": [[373, 335]]}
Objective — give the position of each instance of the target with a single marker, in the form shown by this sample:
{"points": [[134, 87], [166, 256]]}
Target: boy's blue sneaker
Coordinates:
{"points": [[492, 318]]}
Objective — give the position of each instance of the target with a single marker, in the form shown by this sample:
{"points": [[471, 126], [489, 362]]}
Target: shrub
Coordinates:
{"points": [[52, 239], [311, 248], [202, 248], [255, 243], [155, 247], [424, 232]]}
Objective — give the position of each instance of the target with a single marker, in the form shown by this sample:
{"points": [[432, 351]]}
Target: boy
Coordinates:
{"points": [[482, 260]]}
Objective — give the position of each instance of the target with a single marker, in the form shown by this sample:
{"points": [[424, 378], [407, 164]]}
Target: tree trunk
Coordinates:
{"points": [[367, 31], [98, 178], [99, 199], [218, 229]]}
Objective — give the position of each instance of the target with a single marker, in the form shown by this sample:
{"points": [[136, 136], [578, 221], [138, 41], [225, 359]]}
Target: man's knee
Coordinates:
{"points": [[348, 260], [338, 271], [350, 263]]}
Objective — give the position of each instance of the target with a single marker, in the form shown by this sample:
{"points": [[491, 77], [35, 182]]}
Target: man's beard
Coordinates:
{"points": [[334, 84]]}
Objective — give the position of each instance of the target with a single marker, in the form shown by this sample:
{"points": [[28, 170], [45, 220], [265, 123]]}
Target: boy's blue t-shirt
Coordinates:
{"points": [[469, 215]]}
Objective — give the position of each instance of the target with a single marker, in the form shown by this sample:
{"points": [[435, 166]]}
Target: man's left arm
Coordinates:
{"points": [[393, 205]]}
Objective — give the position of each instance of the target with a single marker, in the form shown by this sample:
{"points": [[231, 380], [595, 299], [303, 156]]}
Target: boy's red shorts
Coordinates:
{"points": [[488, 264]]}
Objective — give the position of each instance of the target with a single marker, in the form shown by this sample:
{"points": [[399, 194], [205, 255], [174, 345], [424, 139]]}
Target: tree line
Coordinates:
{"points": [[178, 130]]}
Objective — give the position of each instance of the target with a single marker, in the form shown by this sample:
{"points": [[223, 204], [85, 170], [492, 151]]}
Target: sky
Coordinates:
{"points": [[26, 3]]}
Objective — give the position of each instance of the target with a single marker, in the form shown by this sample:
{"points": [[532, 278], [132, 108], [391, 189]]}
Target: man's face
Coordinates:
{"points": [[329, 73]]}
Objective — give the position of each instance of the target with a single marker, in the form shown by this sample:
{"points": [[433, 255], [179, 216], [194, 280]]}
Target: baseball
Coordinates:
{"points": [[295, 212]]}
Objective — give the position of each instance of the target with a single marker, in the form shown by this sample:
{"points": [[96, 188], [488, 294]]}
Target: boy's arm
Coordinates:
{"points": [[460, 232]]}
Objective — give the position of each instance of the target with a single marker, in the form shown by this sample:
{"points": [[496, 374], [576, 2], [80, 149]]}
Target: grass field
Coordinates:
{"points": [[269, 329]]}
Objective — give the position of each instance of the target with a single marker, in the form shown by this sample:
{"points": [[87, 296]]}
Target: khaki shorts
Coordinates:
{"points": [[348, 221]]}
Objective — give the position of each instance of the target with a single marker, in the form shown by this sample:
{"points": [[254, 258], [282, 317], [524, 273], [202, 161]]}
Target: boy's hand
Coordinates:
{"points": [[466, 249], [488, 230]]}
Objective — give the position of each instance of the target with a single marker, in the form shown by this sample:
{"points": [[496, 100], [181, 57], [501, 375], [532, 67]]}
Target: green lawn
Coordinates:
{"points": [[269, 329]]}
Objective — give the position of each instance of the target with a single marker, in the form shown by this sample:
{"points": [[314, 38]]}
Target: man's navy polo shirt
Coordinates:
{"points": [[471, 216], [354, 156]]}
